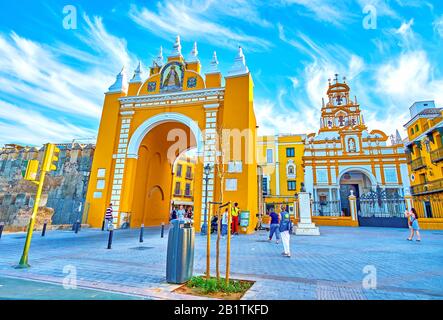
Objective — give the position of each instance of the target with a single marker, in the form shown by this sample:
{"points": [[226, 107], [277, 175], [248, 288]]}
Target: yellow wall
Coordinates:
{"points": [[426, 175], [270, 169], [145, 178], [183, 180]]}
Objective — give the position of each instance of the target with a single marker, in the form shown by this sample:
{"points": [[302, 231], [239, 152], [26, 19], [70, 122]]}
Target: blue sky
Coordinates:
{"points": [[52, 79]]}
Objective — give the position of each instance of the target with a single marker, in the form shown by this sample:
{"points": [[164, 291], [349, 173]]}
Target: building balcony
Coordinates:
{"points": [[429, 187], [437, 155], [418, 163]]}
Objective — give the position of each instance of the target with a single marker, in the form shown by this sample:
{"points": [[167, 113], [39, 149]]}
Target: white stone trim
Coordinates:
{"points": [[173, 97], [149, 124]]}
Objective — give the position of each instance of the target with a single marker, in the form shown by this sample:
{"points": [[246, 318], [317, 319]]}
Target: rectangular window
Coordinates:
{"points": [[177, 188], [290, 152], [265, 186], [269, 156], [179, 170], [231, 185], [97, 195], [188, 172], [101, 173], [188, 189], [235, 167], [100, 184], [291, 185]]}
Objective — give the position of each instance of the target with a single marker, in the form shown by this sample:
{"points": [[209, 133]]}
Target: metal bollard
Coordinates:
{"points": [[163, 229], [77, 226], [44, 228], [142, 228], [103, 225], [111, 232], [2, 226]]}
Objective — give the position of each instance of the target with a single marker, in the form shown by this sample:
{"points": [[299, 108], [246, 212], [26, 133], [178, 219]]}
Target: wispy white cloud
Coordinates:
{"points": [[330, 11], [171, 19], [33, 128], [438, 26], [43, 89]]}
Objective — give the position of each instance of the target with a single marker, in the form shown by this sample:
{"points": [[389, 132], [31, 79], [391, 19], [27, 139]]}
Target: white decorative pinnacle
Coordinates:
{"points": [[239, 67], [120, 84], [193, 57], [398, 138], [177, 49], [138, 72], [158, 62], [213, 68]]}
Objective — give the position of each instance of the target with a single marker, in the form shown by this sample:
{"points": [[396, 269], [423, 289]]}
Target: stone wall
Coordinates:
{"points": [[64, 191]]}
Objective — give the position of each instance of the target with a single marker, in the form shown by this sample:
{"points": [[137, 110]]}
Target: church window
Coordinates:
{"points": [[291, 185]]}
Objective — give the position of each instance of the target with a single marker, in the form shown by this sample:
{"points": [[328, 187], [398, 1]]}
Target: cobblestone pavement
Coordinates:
{"points": [[331, 266]]}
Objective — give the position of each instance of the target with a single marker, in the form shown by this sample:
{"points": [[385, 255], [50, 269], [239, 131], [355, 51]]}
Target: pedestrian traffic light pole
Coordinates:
{"points": [[51, 155]]}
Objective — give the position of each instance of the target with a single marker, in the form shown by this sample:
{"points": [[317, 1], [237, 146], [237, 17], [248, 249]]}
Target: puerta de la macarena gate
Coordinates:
{"points": [[141, 135]]}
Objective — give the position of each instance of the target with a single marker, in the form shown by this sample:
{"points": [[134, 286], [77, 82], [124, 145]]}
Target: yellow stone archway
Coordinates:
{"points": [[141, 123]]}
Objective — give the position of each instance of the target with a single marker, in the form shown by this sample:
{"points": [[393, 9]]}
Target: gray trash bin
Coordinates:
{"points": [[180, 255]]}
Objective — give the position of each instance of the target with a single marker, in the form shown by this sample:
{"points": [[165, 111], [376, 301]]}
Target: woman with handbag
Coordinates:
{"points": [[413, 224]]}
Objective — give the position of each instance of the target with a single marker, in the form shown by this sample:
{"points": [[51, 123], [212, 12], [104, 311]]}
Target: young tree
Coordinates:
{"points": [[220, 170]]}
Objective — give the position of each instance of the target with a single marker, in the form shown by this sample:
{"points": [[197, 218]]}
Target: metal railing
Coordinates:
{"points": [[428, 187], [437, 155], [326, 208], [429, 206], [418, 163], [381, 208]]}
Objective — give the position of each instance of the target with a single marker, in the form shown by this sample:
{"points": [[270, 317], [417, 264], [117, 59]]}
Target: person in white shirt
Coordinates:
{"points": [[181, 213], [224, 222]]}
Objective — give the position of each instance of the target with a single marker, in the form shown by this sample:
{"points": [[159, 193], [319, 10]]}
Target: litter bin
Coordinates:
{"points": [[180, 255]]}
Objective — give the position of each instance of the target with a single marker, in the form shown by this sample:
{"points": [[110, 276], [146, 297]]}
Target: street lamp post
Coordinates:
{"points": [[207, 171]]}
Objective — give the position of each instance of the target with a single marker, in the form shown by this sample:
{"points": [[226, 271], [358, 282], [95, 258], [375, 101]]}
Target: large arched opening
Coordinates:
{"points": [[159, 145], [357, 182]]}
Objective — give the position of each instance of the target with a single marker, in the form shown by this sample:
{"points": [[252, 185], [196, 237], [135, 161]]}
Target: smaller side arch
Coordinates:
{"points": [[155, 188]]}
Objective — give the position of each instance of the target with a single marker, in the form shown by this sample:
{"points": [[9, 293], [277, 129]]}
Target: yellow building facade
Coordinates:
{"points": [[425, 161], [346, 160], [183, 182], [148, 122], [280, 158]]}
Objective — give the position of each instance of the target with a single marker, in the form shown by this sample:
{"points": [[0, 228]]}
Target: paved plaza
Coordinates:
{"points": [[330, 266]]}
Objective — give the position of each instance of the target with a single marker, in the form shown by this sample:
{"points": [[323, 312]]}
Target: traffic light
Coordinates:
{"points": [[31, 170], [51, 156]]}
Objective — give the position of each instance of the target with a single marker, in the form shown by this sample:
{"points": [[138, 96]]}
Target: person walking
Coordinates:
{"points": [[224, 222], [108, 217], [274, 226], [285, 230], [234, 213], [173, 214], [413, 224], [181, 213]]}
